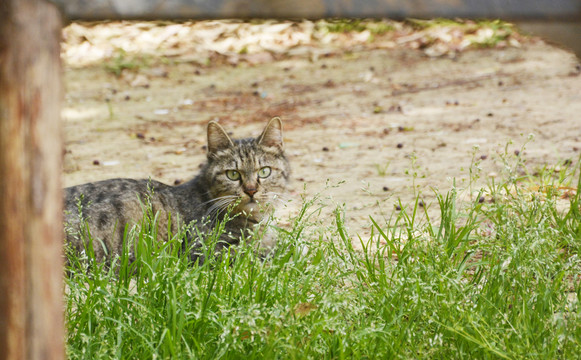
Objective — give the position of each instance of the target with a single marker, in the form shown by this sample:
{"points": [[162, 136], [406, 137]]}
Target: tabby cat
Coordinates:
{"points": [[243, 178]]}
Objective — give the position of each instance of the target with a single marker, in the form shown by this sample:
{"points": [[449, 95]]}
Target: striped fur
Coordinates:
{"points": [[109, 206]]}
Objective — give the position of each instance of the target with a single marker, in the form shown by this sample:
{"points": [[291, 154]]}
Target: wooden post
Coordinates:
{"points": [[31, 319]]}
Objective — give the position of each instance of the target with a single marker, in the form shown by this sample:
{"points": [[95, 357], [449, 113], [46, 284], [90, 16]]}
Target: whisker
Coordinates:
{"points": [[276, 198], [220, 198], [220, 205]]}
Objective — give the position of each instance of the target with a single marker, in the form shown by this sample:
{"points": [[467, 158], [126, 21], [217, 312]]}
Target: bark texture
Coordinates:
{"points": [[31, 319]]}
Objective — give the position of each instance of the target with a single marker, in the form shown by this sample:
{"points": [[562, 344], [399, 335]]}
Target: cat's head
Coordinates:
{"points": [[248, 174]]}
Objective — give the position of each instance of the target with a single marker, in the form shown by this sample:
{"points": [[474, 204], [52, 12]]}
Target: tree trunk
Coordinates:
{"points": [[31, 320]]}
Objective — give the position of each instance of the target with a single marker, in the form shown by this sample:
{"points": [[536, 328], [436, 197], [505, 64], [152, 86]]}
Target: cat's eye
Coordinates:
{"points": [[264, 172], [233, 175]]}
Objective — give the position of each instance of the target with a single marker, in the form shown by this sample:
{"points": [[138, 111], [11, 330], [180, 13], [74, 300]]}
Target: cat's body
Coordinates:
{"points": [[246, 176]]}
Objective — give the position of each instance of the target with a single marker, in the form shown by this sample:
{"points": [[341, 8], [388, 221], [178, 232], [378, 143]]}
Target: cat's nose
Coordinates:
{"points": [[250, 191]]}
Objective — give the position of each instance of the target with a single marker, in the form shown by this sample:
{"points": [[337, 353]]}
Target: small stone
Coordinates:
{"points": [[161, 111], [329, 83], [159, 71], [140, 81]]}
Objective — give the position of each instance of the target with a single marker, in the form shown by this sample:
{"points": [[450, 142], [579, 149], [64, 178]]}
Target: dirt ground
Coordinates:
{"points": [[363, 125]]}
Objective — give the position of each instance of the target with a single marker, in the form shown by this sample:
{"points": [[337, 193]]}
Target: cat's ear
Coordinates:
{"points": [[217, 138], [272, 134]]}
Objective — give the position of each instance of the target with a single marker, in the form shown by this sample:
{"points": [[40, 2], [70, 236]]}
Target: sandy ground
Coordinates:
{"points": [[365, 127]]}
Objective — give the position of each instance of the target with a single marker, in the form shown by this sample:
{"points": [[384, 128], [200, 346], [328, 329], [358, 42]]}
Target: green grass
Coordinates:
{"points": [[491, 280], [376, 27], [499, 30], [126, 61]]}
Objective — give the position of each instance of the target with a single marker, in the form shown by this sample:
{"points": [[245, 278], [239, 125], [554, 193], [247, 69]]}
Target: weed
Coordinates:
{"points": [[382, 168], [124, 61], [377, 27], [414, 173]]}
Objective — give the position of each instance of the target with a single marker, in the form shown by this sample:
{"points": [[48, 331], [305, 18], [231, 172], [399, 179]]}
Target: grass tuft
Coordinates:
{"points": [[497, 279]]}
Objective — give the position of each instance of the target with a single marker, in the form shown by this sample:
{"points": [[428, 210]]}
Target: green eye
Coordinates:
{"points": [[233, 175], [264, 172]]}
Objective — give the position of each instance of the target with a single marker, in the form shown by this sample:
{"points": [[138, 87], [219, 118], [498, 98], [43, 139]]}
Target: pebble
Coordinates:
{"points": [[161, 111]]}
